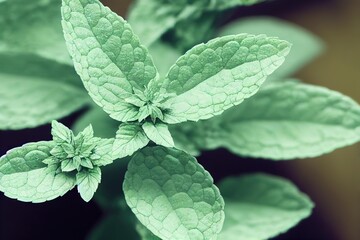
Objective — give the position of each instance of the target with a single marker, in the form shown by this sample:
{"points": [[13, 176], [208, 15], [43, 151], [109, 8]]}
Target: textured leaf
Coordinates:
{"points": [[107, 55], [261, 207], [283, 121], [25, 177], [215, 76], [60, 132], [292, 121], [158, 133], [300, 38], [33, 27], [87, 182], [103, 125], [172, 195], [29, 102], [129, 138], [114, 227], [103, 152]]}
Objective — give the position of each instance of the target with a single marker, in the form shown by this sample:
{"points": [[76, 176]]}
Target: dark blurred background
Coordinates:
{"points": [[332, 181]]}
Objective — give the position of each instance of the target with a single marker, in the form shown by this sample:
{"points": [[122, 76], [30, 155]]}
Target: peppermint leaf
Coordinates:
{"points": [[107, 55], [25, 177], [283, 121], [215, 76], [261, 206], [87, 182], [103, 154], [291, 120], [158, 133], [172, 195], [129, 138], [300, 38], [61, 133]]}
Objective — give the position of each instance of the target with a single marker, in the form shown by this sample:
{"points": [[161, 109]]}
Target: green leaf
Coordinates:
{"points": [[158, 133], [291, 120], [61, 133], [172, 195], [87, 182], [114, 227], [25, 177], [103, 125], [33, 27], [103, 152], [215, 76], [107, 55], [129, 138], [30, 101], [261, 206], [151, 19], [283, 121], [300, 38]]}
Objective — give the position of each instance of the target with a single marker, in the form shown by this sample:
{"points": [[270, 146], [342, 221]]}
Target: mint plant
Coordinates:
{"points": [[171, 195]]}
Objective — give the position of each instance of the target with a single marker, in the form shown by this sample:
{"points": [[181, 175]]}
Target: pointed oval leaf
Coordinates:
{"points": [[283, 121], [261, 206], [87, 182], [172, 195], [292, 120], [158, 133], [129, 139], [25, 177], [107, 55], [215, 76]]}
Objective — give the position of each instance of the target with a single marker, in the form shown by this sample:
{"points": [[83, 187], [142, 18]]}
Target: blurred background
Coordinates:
{"points": [[332, 181]]}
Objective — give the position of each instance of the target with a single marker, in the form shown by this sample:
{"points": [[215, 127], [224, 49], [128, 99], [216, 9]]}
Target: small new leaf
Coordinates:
{"points": [[87, 182], [158, 133], [172, 195], [25, 177], [129, 138], [61, 133], [261, 207]]}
